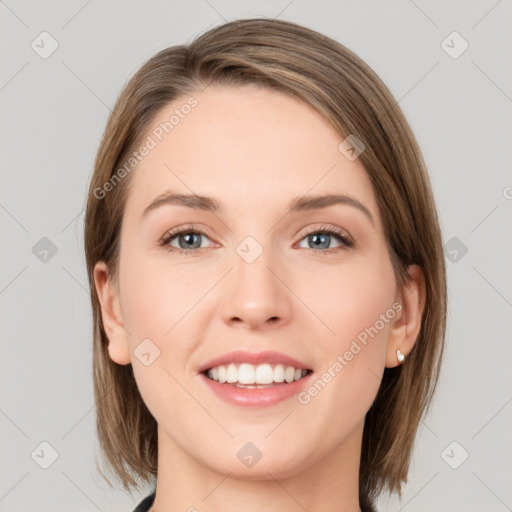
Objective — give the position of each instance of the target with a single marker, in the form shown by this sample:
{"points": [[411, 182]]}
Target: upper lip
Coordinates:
{"points": [[254, 358]]}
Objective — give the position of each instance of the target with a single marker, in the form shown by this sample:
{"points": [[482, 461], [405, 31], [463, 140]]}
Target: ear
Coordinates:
{"points": [[113, 325], [406, 324]]}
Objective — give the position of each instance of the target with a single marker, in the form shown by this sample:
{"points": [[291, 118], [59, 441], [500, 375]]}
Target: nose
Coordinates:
{"points": [[257, 295]]}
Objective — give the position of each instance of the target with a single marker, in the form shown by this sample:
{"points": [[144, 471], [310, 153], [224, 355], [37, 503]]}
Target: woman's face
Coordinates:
{"points": [[260, 278]]}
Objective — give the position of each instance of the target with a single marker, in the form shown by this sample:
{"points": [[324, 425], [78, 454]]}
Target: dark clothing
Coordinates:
{"points": [[146, 503]]}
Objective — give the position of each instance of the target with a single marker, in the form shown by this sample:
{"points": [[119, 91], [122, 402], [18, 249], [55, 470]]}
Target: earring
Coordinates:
{"points": [[400, 356]]}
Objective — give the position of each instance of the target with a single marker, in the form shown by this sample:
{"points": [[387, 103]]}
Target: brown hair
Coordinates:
{"points": [[324, 74]]}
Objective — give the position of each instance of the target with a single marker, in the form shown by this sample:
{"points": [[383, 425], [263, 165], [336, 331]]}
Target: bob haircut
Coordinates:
{"points": [[322, 73]]}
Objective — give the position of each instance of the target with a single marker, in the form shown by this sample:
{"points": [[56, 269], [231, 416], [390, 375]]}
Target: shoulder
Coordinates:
{"points": [[144, 505]]}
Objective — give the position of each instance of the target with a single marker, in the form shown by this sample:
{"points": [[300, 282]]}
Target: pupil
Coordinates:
{"points": [[189, 238], [317, 241]]}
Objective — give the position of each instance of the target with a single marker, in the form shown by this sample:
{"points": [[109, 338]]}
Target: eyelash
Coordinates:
{"points": [[327, 230]]}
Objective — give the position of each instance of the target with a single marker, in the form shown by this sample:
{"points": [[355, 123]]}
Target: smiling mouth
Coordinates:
{"points": [[249, 376]]}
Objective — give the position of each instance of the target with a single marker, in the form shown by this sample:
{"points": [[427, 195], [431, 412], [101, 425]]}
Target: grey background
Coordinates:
{"points": [[54, 111]]}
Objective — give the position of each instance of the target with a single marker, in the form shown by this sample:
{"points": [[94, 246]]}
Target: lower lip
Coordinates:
{"points": [[255, 397]]}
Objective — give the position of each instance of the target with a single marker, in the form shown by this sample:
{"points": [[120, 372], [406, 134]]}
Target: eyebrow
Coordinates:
{"points": [[299, 204]]}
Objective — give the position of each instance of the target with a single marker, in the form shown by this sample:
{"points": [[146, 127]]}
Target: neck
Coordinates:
{"points": [[329, 483]]}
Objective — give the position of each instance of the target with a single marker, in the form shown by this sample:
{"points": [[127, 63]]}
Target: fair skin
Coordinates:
{"points": [[254, 150]]}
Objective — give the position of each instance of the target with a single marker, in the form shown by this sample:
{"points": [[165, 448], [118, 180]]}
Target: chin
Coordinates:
{"points": [[258, 461]]}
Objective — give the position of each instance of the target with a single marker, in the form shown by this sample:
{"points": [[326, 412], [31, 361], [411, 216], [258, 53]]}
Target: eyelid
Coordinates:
{"points": [[344, 237], [192, 226], [185, 228], [329, 229]]}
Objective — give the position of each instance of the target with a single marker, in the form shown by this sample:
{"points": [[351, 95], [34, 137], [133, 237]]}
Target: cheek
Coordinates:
{"points": [[347, 299], [156, 298], [158, 304], [356, 304], [164, 303]]}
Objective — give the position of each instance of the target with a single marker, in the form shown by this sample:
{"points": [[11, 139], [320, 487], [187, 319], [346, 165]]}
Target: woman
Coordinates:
{"points": [[267, 277]]}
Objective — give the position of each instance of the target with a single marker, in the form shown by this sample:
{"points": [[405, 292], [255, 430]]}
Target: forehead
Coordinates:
{"points": [[247, 146]]}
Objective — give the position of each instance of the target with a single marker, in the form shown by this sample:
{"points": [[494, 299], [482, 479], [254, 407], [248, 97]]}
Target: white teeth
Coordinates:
{"points": [[264, 374], [289, 374], [279, 373], [246, 374], [232, 374], [251, 374]]}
